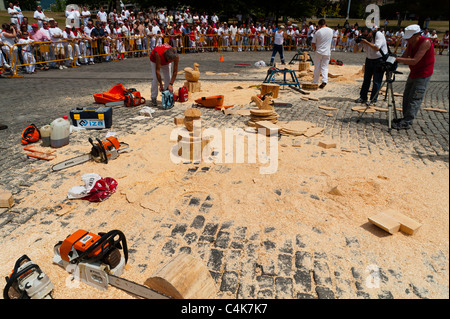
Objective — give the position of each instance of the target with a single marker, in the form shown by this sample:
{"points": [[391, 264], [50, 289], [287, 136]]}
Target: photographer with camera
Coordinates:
{"points": [[419, 55], [373, 42]]}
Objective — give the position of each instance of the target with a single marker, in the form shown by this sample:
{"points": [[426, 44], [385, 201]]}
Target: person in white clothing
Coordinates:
{"points": [[279, 37], [335, 37], [86, 15], [102, 15], [8, 37], [56, 34], [68, 46], [19, 12], [321, 44], [13, 14], [39, 16], [27, 53]]}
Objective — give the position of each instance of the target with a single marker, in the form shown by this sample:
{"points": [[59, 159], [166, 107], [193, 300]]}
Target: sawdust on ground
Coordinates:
{"points": [[291, 200]]}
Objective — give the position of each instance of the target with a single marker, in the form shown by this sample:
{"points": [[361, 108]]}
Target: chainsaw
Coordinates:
{"points": [[27, 281], [101, 152], [97, 261]]}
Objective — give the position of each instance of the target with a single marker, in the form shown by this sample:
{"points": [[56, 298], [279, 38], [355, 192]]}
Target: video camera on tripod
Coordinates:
{"points": [[390, 63]]}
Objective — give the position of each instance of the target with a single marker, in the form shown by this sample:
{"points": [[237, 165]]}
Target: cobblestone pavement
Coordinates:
{"points": [[295, 269]]}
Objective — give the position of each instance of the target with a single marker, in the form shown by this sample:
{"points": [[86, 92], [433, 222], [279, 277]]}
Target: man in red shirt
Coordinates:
{"points": [[161, 59], [419, 55]]}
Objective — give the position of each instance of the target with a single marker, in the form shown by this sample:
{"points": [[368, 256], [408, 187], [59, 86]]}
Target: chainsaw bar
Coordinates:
{"points": [[135, 288], [72, 162]]}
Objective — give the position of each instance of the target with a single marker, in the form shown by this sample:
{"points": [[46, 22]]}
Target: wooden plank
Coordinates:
{"points": [[385, 222]]}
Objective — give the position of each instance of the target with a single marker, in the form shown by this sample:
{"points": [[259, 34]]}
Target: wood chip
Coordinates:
{"points": [[435, 110], [314, 131], [325, 107]]}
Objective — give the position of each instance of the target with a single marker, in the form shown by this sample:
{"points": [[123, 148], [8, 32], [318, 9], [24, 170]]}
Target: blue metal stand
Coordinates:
{"points": [[270, 77], [296, 57]]}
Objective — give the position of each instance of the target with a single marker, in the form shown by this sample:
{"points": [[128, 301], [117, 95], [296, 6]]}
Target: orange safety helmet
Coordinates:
{"points": [[31, 134]]}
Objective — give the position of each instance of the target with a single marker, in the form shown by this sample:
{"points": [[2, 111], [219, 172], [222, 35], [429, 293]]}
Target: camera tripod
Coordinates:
{"points": [[389, 96]]}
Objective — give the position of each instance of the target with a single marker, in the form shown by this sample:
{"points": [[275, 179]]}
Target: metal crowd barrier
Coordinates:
{"points": [[82, 51]]}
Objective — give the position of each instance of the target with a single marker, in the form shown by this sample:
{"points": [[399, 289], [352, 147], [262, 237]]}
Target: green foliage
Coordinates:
{"points": [[59, 6]]}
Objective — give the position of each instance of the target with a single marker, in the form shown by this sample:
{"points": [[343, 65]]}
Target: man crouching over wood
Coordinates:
{"points": [[161, 59]]}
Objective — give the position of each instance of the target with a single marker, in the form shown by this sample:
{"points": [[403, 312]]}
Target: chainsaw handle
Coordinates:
{"points": [[105, 239], [16, 274], [102, 149]]}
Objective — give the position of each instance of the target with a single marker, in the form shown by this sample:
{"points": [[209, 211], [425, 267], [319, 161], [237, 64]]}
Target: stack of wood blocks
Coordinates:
{"points": [[257, 115], [393, 221]]}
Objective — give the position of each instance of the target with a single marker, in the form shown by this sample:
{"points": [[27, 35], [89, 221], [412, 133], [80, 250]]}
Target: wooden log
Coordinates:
{"points": [[310, 86], [270, 87], [183, 277], [303, 66]]}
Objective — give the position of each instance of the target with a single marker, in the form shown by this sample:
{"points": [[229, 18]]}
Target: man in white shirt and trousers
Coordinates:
{"points": [[278, 42], [321, 44]]}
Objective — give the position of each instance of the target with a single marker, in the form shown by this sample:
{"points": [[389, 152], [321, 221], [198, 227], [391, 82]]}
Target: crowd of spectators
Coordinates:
{"points": [[94, 38]]}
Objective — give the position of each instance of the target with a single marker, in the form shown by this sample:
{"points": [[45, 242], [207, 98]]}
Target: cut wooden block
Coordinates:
{"points": [[268, 127], [303, 66], [183, 277], [310, 86], [270, 87], [331, 75], [178, 120], [6, 199], [259, 112], [193, 86], [385, 222], [407, 225], [326, 144], [389, 219]]}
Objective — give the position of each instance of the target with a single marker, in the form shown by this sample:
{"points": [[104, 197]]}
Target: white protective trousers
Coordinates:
{"points": [[321, 67], [165, 71]]}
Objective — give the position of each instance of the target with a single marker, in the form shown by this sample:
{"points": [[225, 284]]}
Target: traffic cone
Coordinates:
{"points": [[221, 58]]}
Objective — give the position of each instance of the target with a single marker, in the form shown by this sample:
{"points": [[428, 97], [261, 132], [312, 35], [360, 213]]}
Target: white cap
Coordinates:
{"points": [[68, 26], [411, 30]]}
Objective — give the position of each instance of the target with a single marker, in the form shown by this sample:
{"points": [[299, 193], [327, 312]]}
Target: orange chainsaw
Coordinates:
{"points": [[97, 261], [101, 152]]}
